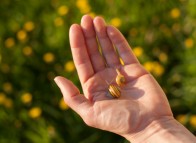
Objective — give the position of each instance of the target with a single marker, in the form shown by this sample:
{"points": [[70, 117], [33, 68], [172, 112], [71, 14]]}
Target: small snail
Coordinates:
{"points": [[114, 91], [120, 79]]}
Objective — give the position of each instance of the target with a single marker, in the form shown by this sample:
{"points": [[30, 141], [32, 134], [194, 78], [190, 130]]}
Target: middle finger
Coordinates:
{"points": [[107, 47]]}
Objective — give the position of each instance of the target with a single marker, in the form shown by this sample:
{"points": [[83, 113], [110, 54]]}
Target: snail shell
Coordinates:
{"points": [[114, 91], [120, 79]]}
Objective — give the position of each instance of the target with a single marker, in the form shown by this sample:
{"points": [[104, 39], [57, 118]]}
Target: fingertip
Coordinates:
{"points": [[87, 26], [86, 18], [66, 86], [99, 19], [58, 80], [74, 27], [76, 36], [99, 23]]}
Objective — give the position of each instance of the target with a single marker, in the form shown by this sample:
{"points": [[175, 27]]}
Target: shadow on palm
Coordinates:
{"points": [[97, 87]]}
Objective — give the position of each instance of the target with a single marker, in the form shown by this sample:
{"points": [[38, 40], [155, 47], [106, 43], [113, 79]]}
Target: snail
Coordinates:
{"points": [[114, 91], [120, 79]]}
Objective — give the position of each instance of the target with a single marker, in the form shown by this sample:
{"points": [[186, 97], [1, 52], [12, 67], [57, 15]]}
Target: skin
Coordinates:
{"points": [[142, 112]]}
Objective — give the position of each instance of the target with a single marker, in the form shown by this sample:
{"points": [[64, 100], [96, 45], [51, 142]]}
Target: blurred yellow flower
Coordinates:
{"points": [[63, 10], [69, 66], [8, 103], [163, 57], [158, 69], [181, 118], [189, 43], [63, 105], [58, 21], [175, 13], [83, 6], [29, 26], [148, 66], [138, 51], [7, 87], [2, 98], [35, 112], [21, 35], [154, 67], [193, 121], [26, 98], [116, 22], [48, 57], [9, 42], [27, 51]]}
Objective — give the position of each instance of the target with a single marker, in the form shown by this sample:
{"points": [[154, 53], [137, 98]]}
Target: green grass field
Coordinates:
{"points": [[34, 48]]}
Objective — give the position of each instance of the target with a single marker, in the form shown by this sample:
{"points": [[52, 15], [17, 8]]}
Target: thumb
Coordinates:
{"points": [[72, 96]]}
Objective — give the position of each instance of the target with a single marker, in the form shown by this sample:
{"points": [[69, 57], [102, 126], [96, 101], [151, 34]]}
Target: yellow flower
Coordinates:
{"points": [[154, 67], [9, 42], [29, 26], [181, 118], [2, 98], [69, 66], [62, 105], [63, 10], [158, 69], [148, 66], [193, 121], [58, 21], [83, 6], [26, 98], [163, 57], [175, 13], [21, 35], [8, 103], [7, 87], [138, 51], [27, 51], [35, 112], [189, 43], [48, 57], [116, 22]]}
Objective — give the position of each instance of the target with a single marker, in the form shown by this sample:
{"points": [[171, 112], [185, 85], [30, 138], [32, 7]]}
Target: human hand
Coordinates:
{"points": [[142, 101]]}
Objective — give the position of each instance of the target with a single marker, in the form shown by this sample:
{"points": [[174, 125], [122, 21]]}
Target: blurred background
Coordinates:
{"points": [[34, 48]]}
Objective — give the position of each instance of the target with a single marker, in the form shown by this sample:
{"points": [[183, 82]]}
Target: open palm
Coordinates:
{"points": [[142, 101]]}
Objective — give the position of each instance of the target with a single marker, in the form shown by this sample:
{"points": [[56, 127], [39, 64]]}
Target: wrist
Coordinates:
{"points": [[166, 130]]}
